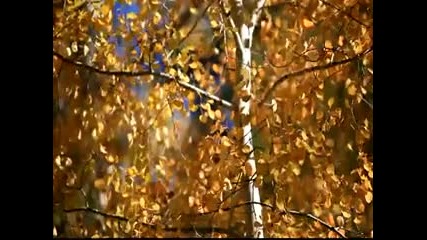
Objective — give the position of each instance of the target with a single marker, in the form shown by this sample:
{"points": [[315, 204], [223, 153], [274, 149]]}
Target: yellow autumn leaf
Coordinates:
{"points": [[132, 171], [157, 18], [307, 23], [131, 16], [191, 200], [346, 214], [110, 159], [197, 75], [341, 40], [330, 169], [203, 118], [68, 51], [85, 50], [172, 72], [211, 114], [193, 65], [155, 207], [74, 46], [328, 203], [351, 90], [274, 105], [226, 141], [158, 47], [193, 107], [216, 186], [340, 221], [216, 68], [246, 149], [331, 102], [105, 9], [350, 147], [296, 169], [142, 202], [330, 142], [214, 24], [205, 106], [158, 135], [218, 114], [304, 135], [201, 174], [177, 104], [99, 183], [368, 197], [328, 44], [102, 149], [319, 114], [280, 204]]}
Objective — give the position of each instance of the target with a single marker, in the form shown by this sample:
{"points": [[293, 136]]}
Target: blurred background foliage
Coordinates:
{"points": [[138, 155]]}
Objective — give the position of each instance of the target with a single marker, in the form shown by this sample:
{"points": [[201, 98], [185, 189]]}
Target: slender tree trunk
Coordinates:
{"points": [[247, 14]]}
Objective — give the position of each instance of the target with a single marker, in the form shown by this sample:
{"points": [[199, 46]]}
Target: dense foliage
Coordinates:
{"points": [[143, 148]]}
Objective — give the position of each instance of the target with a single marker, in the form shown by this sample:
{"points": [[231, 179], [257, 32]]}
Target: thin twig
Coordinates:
{"points": [[311, 216], [213, 229], [370, 105], [282, 212], [146, 73], [309, 70], [195, 23], [204, 93], [95, 211], [233, 26], [345, 13]]}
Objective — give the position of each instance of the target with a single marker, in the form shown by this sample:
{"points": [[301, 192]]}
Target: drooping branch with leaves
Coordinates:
{"points": [[213, 118]]}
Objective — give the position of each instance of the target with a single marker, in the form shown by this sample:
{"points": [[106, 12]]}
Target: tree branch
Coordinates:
{"points": [[95, 211], [280, 4], [211, 229], [345, 13], [203, 230], [146, 73], [195, 23], [311, 216], [309, 70], [206, 94], [282, 212], [233, 26]]}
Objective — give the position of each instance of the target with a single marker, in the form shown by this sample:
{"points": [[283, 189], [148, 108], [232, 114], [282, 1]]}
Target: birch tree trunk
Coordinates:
{"points": [[246, 16]]}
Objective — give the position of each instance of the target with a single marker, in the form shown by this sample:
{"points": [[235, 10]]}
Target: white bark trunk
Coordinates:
{"points": [[246, 32]]}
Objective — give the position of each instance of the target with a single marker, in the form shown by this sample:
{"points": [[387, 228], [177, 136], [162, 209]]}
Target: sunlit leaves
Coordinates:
{"points": [[307, 23], [177, 104], [368, 197], [331, 102], [315, 145]]}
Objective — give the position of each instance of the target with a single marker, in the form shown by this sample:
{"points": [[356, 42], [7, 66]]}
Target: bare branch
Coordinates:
{"points": [[203, 230], [309, 70], [370, 105], [345, 13], [311, 216], [281, 4], [282, 212], [195, 23], [95, 211], [108, 72], [233, 26], [206, 94], [168, 77]]}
